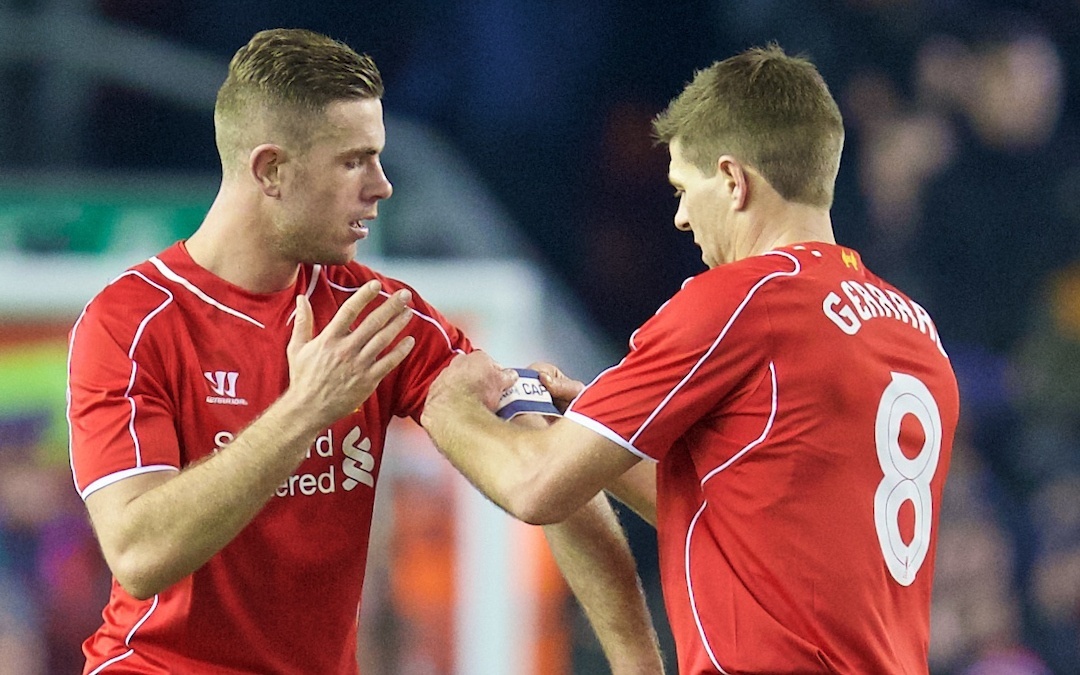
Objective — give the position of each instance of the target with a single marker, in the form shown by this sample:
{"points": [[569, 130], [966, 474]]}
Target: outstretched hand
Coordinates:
{"points": [[563, 389], [336, 371]]}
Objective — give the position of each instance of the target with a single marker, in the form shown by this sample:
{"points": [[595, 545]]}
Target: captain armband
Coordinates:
{"points": [[526, 395]]}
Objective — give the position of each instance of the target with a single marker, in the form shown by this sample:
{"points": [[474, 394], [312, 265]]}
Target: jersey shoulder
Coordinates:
{"points": [[128, 301], [432, 323], [738, 280], [719, 296]]}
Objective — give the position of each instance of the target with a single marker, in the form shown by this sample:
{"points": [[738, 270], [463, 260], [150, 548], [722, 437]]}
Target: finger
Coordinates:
{"points": [[483, 377], [302, 326], [385, 335], [543, 367], [561, 388], [479, 366], [396, 305], [504, 377], [393, 358], [351, 308]]}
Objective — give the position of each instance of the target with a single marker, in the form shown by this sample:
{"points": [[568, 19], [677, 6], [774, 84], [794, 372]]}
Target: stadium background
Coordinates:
{"points": [[521, 131]]}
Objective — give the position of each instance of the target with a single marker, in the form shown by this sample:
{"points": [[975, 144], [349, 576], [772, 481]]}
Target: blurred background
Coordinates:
{"points": [[518, 134]]}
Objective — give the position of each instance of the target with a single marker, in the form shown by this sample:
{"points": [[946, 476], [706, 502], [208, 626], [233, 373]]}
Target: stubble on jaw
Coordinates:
{"points": [[304, 242], [299, 248]]}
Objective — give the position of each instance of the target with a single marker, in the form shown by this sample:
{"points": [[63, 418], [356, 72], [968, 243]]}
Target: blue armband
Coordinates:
{"points": [[526, 395]]}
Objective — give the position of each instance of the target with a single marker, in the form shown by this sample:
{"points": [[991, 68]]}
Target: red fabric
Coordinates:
{"points": [[777, 432], [167, 364]]}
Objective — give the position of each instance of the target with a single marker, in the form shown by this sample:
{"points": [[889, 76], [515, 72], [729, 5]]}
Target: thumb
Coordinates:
{"points": [[302, 325], [561, 387]]}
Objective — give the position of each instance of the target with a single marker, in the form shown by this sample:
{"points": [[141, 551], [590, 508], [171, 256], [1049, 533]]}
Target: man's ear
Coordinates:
{"points": [[265, 165], [735, 179]]}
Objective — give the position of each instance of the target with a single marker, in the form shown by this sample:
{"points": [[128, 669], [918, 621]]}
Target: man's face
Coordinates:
{"points": [[702, 208], [334, 186]]}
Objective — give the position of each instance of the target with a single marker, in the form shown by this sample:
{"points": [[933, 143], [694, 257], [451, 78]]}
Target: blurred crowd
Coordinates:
{"points": [[960, 183]]}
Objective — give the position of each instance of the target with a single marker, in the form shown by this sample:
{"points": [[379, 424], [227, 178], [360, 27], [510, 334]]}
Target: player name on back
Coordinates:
{"points": [[858, 302]]}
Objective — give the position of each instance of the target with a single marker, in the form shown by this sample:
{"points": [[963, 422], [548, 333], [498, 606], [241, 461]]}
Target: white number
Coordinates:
{"points": [[906, 480]]}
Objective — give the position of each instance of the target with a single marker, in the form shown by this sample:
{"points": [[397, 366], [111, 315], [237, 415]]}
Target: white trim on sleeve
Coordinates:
{"points": [[121, 475], [607, 433], [131, 380]]}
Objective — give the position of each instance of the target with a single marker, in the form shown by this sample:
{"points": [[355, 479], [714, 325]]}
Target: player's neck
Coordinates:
{"points": [[229, 244], [790, 224]]}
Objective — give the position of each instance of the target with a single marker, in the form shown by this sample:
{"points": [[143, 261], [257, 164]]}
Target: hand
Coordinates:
{"points": [[562, 388], [473, 376], [335, 372]]}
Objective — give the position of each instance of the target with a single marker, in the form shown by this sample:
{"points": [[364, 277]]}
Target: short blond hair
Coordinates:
{"points": [[767, 109], [280, 82]]}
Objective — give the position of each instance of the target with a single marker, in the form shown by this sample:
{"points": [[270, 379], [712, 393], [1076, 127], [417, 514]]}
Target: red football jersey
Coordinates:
{"points": [[801, 411], [169, 363]]}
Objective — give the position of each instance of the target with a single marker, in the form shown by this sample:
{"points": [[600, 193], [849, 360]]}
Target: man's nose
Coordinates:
{"points": [[380, 187]]}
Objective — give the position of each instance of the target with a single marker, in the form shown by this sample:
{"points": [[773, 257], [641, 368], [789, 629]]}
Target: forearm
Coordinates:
{"points": [[493, 455], [540, 476], [171, 530], [591, 550]]}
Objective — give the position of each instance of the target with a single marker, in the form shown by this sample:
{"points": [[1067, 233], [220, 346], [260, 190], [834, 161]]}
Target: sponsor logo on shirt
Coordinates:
{"points": [[355, 468], [223, 384], [358, 461]]}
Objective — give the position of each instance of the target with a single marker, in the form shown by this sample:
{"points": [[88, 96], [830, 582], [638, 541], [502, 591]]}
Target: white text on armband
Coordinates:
{"points": [[864, 301]]}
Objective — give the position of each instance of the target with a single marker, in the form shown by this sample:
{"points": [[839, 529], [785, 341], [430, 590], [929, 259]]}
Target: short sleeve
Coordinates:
{"points": [[437, 342], [696, 357], [119, 415]]}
